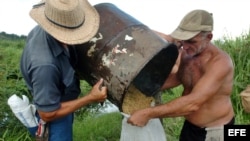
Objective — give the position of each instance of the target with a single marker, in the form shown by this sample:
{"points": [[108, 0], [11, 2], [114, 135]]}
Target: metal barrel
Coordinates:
{"points": [[124, 51]]}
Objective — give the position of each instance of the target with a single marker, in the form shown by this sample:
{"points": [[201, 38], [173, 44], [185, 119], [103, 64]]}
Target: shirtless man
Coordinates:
{"points": [[206, 73]]}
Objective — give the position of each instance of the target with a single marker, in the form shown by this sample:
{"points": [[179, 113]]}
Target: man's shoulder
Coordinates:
{"points": [[221, 63], [216, 56], [224, 58], [36, 31], [37, 48]]}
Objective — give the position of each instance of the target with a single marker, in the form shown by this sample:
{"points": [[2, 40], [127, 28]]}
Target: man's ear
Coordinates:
{"points": [[210, 36]]}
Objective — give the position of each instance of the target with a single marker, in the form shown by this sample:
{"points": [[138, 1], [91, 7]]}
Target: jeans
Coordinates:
{"points": [[60, 129]]}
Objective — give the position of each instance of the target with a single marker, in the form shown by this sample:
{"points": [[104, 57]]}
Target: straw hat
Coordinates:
{"points": [[69, 21]]}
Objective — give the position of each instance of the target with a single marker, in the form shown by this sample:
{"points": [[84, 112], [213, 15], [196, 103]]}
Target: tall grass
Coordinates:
{"points": [[107, 127], [238, 49], [11, 83]]}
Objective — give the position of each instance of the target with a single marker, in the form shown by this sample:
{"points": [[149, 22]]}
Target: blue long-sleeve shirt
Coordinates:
{"points": [[47, 71]]}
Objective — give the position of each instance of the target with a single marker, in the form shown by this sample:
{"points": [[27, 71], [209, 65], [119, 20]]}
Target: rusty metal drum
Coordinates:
{"points": [[123, 52]]}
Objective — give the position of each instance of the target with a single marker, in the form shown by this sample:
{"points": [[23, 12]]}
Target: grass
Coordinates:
{"points": [[107, 127], [102, 127]]}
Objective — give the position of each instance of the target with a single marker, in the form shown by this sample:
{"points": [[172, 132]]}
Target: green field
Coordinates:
{"points": [[92, 125]]}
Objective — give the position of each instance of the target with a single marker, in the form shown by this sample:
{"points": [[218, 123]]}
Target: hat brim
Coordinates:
{"points": [[183, 34], [78, 35]]}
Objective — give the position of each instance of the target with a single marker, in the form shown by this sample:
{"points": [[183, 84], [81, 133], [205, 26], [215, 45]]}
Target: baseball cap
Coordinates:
{"points": [[192, 24]]}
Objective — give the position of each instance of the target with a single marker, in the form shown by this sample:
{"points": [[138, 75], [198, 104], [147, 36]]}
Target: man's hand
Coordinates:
{"points": [[139, 118], [98, 92]]}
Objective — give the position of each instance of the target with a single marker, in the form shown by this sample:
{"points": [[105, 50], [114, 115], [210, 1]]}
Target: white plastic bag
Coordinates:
{"points": [[153, 131], [24, 111]]}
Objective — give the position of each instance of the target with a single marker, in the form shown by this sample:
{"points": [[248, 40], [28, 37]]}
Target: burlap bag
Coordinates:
{"points": [[245, 99]]}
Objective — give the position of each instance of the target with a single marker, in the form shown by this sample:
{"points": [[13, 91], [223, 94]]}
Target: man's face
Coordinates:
{"points": [[196, 44]]}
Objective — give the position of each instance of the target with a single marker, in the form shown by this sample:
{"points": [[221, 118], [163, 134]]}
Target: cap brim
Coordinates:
{"points": [[183, 34], [70, 36]]}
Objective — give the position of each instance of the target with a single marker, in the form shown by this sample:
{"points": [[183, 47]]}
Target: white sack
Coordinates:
{"points": [[153, 131], [24, 111]]}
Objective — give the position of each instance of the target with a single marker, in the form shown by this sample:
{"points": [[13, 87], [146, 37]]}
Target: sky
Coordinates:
{"points": [[231, 17]]}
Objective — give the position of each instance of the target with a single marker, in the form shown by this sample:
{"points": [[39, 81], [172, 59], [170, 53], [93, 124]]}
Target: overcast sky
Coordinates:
{"points": [[231, 17]]}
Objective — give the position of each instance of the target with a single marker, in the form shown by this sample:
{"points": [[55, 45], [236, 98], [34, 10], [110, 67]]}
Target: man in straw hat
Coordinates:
{"points": [[47, 65], [206, 74]]}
